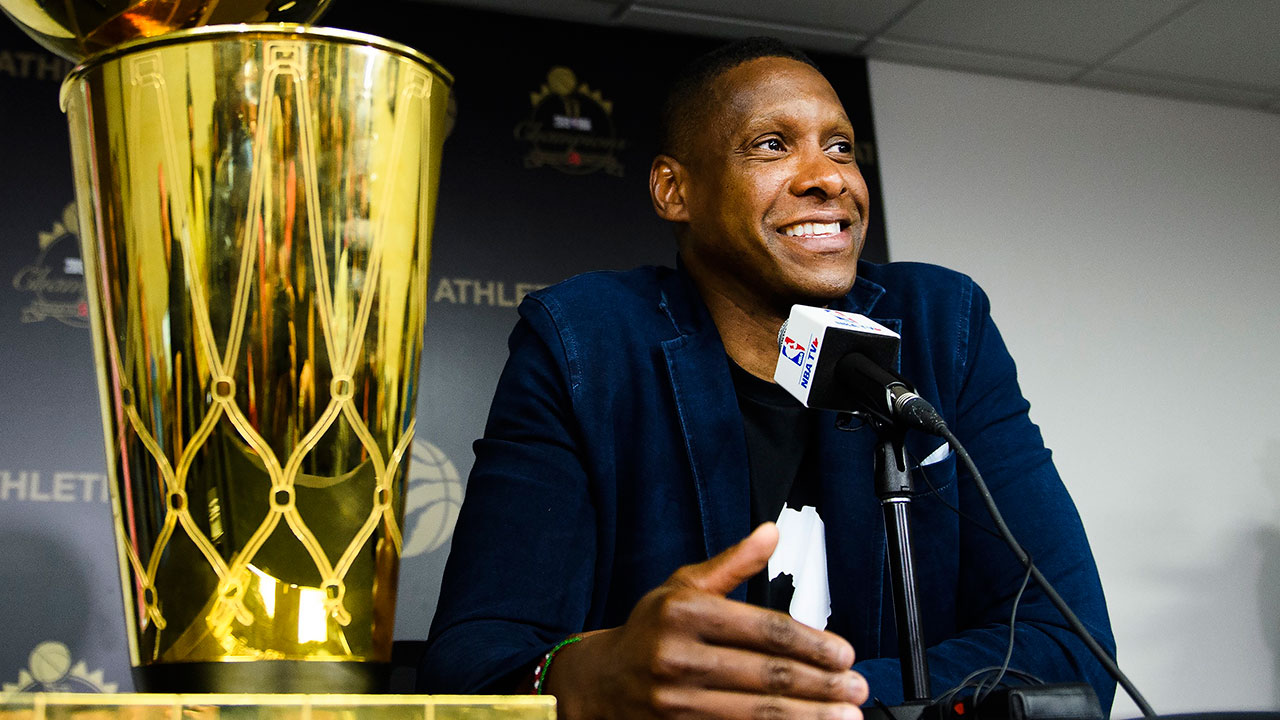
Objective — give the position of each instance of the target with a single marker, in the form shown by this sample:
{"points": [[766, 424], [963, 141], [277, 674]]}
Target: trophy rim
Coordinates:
{"points": [[212, 32]]}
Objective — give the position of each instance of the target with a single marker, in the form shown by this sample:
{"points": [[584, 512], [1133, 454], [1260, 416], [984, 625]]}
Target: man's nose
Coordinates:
{"points": [[818, 174]]}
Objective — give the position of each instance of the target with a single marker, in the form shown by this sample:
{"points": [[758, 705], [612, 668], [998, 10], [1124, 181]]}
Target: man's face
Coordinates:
{"points": [[776, 207]]}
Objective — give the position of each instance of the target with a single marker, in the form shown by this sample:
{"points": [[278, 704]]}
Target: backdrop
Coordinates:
{"points": [[545, 175]]}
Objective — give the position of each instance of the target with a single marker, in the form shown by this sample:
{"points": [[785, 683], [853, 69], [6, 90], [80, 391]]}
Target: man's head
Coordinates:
{"points": [[685, 107], [757, 172]]}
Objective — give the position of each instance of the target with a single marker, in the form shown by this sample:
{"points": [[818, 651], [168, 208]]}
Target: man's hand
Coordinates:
{"points": [[688, 651]]}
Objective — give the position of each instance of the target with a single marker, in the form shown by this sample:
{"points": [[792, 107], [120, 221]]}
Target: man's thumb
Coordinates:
{"points": [[726, 571]]}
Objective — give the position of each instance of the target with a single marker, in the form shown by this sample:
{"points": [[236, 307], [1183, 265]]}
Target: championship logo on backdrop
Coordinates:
{"points": [[51, 671], [570, 127], [54, 283], [434, 497]]}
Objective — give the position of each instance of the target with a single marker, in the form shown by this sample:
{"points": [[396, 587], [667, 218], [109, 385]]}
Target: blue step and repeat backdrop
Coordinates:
{"points": [[545, 175]]}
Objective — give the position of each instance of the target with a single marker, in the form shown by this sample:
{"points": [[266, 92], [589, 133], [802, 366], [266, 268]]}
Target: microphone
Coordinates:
{"points": [[835, 360]]}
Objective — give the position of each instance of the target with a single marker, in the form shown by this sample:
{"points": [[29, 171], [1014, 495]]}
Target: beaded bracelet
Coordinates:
{"points": [[540, 672]]}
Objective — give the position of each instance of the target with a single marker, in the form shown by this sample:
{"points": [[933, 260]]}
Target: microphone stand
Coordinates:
{"points": [[894, 488]]}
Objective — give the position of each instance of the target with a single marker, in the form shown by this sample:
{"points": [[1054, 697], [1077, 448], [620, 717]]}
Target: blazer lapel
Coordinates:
{"points": [[854, 532], [857, 564], [710, 422]]}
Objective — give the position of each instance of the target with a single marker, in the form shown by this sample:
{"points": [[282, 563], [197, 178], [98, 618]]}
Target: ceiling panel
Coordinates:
{"points": [[862, 17], [1229, 41], [1079, 31], [682, 21], [1179, 88], [1219, 51], [918, 54]]}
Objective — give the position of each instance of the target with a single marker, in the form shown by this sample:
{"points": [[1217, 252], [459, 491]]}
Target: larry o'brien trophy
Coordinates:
{"points": [[255, 204]]}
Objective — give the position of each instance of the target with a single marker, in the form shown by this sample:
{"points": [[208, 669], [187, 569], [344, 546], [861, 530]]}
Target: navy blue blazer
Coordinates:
{"points": [[614, 453]]}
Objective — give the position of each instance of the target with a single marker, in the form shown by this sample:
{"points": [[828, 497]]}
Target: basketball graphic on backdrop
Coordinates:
{"points": [[51, 670], [49, 662], [434, 497]]}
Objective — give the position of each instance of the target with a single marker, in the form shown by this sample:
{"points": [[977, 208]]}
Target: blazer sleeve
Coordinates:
{"points": [[991, 420], [527, 523]]}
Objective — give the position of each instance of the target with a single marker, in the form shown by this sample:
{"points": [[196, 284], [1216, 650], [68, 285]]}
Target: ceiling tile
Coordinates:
{"points": [[1077, 31], [681, 21], [862, 17], [1221, 51], [1232, 41], [919, 54], [1174, 87]]}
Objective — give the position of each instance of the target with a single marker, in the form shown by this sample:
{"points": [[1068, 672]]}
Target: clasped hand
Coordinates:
{"points": [[689, 651]]}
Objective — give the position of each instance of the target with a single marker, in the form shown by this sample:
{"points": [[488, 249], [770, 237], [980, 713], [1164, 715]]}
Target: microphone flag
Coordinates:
{"points": [[812, 342]]}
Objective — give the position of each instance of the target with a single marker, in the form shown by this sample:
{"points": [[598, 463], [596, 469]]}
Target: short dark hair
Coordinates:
{"points": [[690, 85]]}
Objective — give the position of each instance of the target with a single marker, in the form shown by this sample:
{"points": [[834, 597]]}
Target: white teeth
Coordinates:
{"points": [[810, 229]]}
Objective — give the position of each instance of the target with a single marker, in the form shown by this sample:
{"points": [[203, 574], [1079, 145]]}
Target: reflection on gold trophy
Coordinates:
{"points": [[255, 204]]}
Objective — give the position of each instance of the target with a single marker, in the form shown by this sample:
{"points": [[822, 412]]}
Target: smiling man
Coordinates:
{"points": [[636, 439]]}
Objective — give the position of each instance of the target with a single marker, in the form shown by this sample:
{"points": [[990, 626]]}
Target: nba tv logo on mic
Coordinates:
{"points": [[813, 340]]}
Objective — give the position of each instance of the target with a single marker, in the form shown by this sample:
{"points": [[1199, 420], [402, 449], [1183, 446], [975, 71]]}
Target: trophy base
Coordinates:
{"points": [[264, 676]]}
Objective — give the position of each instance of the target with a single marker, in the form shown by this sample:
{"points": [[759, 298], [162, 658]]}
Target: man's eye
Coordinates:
{"points": [[843, 147], [772, 144]]}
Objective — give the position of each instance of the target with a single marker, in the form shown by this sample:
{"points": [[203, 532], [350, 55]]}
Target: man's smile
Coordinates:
{"points": [[810, 229], [819, 236]]}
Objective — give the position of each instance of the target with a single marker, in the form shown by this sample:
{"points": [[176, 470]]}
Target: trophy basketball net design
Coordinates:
{"points": [[256, 204]]}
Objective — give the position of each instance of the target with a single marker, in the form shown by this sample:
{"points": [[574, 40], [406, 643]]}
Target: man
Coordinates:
{"points": [[635, 439]]}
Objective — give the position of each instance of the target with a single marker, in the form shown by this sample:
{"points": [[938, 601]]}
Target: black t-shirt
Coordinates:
{"points": [[779, 435]]}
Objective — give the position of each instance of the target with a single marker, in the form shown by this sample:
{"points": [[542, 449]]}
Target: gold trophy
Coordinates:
{"points": [[255, 204]]}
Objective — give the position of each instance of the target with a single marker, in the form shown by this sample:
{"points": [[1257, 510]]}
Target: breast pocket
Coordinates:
{"points": [[933, 467]]}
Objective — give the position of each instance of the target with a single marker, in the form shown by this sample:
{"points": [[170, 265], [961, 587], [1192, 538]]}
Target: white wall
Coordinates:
{"points": [[1131, 247]]}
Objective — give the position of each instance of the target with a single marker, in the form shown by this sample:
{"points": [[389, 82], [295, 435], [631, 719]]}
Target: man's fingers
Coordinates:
{"points": [[684, 702], [726, 571], [719, 621], [790, 678], [713, 620], [726, 668], [736, 624]]}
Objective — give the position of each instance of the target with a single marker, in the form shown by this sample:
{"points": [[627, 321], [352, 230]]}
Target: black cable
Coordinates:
{"points": [[933, 490], [981, 693], [944, 701], [1074, 622]]}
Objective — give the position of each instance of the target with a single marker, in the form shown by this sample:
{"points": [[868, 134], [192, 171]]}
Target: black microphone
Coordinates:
{"points": [[834, 360]]}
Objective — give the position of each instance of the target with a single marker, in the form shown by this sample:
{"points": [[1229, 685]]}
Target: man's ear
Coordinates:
{"points": [[667, 187]]}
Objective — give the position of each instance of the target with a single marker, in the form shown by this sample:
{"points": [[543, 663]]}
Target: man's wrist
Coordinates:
{"points": [[543, 668], [575, 678]]}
